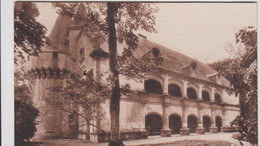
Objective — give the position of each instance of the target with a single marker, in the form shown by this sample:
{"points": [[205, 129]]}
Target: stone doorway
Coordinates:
{"points": [[206, 123], [175, 124], [192, 123], [218, 123], [153, 124]]}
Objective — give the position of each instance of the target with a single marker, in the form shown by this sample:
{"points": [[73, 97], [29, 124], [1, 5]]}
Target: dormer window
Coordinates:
{"points": [[193, 65], [215, 77], [190, 69], [156, 52]]}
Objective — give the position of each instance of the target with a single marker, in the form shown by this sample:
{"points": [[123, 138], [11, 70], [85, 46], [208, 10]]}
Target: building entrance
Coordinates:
{"points": [[192, 123], [206, 123]]}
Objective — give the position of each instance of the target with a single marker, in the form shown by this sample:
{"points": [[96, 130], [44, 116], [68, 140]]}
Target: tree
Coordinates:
{"points": [[29, 35], [29, 38], [79, 96], [25, 112], [241, 72], [115, 22]]}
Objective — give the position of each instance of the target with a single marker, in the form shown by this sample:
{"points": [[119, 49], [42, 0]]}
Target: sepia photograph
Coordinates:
{"points": [[135, 73]]}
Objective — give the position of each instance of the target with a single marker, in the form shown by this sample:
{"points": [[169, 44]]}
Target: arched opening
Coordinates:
{"points": [[73, 124], [153, 86], [205, 95], [206, 123], [174, 90], [192, 123], [218, 98], [153, 124], [175, 124], [218, 123], [191, 93]]}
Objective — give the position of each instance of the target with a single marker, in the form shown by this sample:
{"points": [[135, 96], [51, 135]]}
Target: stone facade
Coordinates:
{"points": [[185, 96]]}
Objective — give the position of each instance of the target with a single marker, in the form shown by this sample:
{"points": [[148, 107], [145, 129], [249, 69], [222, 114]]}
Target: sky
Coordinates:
{"points": [[199, 30]]}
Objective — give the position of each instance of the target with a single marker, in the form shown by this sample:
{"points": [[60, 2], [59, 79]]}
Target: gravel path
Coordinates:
{"points": [[219, 139]]}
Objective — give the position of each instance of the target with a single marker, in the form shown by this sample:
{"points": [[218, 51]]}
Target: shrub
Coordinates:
{"points": [[25, 116]]}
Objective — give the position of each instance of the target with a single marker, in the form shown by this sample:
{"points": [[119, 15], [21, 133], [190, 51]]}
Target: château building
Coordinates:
{"points": [[185, 96]]}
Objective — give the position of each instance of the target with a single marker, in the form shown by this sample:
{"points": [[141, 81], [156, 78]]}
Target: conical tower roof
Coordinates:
{"points": [[58, 36]]}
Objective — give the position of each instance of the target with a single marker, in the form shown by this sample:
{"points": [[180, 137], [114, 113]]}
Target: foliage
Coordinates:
{"points": [[25, 112], [241, 72], [247, 130], [29, 35], [79, 96]]}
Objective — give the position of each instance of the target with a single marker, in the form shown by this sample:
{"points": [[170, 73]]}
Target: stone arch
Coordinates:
{"points": [[192, 123], [176, 81], [153, 123], [218, 97], [175, 123], [153, 86], [206, 94], [192, 92], [175, 89], [218, 122], [154, 76], [206, 122]]}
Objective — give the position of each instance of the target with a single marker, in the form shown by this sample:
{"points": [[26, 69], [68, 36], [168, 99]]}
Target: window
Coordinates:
{"points": [[193, 65], [58, 72], [54, 55], [152, 86], [89, 75], [218, 98], [82, 55], [205, 95], [174, 90], [156, 52], [191, 93]]}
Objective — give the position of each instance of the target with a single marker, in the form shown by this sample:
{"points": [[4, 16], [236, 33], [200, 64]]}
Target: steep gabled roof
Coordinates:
{"points": [[172, 60], [175, 61]]}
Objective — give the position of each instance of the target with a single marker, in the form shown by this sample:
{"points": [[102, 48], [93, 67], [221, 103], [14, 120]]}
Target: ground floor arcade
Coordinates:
{"points": [[169, 115]]}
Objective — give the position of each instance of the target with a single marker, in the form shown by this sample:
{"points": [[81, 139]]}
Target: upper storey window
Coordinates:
{"points": [[174, 90], [218, 98], [205, 95], [82, 55], [191, 93], [55, 55], [152, 86]]}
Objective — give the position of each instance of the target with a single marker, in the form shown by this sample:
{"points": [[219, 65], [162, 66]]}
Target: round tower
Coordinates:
{"points": [[50, 69]]}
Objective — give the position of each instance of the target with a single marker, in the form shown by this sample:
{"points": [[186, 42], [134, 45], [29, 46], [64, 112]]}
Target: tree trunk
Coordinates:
{"points": [[115, 97]]}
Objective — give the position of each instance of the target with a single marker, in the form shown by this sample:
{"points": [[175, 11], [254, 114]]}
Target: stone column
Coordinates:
{"points": [[184, 90], [213, 128], [200, 129], [200, 92], [224, 125], [184, 130], [165, 132], [165, 85], [212, 97]]}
